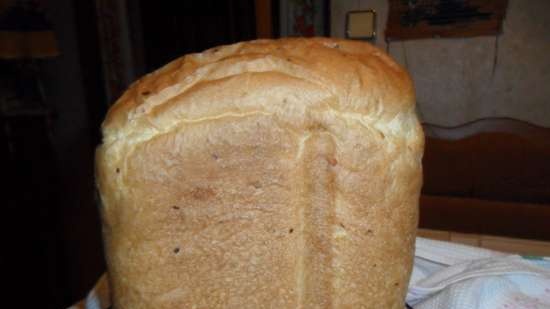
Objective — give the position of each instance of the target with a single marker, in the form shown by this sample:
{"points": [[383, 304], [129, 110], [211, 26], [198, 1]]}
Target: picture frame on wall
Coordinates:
{"points": [[304, 18], [444, 19]]}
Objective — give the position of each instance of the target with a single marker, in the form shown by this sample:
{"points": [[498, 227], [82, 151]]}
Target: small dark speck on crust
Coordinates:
{"points": [[215, 50], [396, 284], [374, 265], [200, 193], [175, 207], [369, 231], [342, 225], [176, 250], [256, 184], [288, 59], [118, 170], [215, 156], [145, 93], [290, 231]]}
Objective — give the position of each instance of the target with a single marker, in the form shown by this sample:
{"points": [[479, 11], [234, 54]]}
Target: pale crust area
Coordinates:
{"points": [[265, 174]]}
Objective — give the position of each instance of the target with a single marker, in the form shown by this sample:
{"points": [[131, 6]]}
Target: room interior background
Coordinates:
{"points": [[50, 222]]}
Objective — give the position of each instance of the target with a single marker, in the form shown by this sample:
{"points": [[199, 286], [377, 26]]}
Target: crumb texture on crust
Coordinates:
{"points": [[264, 174]]}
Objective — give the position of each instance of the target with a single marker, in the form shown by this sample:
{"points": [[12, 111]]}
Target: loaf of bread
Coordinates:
{"points": [[264, 174]]}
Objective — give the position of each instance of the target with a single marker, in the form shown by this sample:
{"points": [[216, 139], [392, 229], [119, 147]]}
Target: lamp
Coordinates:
{"points": [[361, 25]]}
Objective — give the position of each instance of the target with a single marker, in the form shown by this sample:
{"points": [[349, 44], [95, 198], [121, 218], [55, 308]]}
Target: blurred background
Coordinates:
{"points": [[481, 69]]}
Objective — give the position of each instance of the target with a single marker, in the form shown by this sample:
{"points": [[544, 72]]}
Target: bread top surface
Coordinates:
{"points": [[287, 78]]}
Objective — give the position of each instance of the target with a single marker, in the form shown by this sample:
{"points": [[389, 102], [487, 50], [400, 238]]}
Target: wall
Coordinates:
{"points": [[79, 255], [62, 78], [454, 78]]}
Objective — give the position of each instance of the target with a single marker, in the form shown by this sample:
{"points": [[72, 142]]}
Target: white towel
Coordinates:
{"points": [[452, 276]]}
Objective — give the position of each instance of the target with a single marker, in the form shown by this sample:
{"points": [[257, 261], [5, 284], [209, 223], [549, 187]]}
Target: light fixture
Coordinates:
{"points": [[361, 25]]}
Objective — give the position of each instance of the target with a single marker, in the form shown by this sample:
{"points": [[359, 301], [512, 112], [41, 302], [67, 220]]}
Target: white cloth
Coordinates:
{"points": [[452, 276], [448, 276]]}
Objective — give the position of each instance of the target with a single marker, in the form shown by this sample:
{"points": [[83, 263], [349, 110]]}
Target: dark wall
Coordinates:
{"points": [[176, 28], [51, 226], [74, 90]]}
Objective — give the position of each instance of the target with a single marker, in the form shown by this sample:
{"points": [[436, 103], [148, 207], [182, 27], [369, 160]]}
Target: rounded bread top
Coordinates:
{"points": [[288, 78]]}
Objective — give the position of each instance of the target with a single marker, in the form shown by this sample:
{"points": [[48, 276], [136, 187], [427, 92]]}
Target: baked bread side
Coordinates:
{"points": [[264, 174]]}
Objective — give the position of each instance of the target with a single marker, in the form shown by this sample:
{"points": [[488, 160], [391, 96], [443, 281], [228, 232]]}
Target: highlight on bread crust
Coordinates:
{"points": [[264, 174]]}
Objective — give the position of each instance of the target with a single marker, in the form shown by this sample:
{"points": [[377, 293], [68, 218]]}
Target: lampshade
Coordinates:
{"points": [[25, 32]]}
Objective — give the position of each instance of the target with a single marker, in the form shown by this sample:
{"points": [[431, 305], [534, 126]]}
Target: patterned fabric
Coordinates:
{"points": [[455, 276]]}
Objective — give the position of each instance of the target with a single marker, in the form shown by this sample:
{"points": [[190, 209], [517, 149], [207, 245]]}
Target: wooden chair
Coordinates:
{"points": [[490, 176]]}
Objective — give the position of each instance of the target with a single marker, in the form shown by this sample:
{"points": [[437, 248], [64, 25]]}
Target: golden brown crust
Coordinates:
{"points": [[265, 174], [363, 78]]}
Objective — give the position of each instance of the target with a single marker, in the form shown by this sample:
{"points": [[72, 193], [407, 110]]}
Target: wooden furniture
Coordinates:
{"points": [[264, 24], [490, 176], [502, 244]]}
